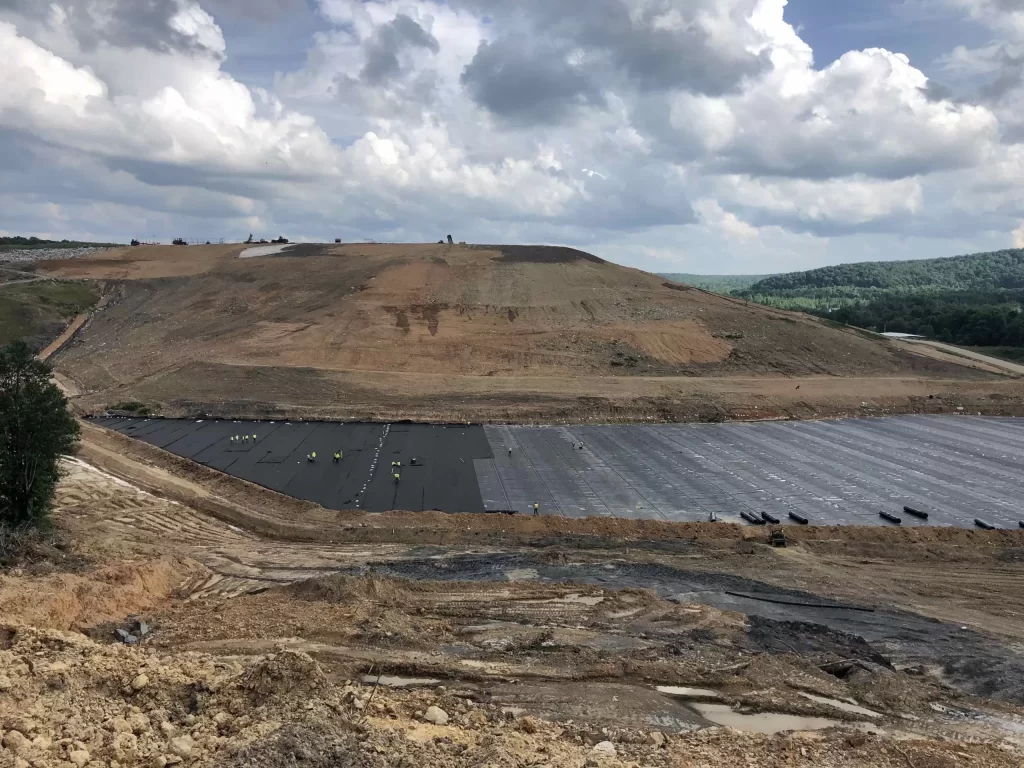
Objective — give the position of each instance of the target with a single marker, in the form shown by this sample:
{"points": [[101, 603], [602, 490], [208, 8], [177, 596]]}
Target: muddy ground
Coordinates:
{"points": [[277, 631]]}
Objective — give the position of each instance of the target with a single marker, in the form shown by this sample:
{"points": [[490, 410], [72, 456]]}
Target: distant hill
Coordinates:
{"points": [[972, 300], [716, 283], [979, 271]]}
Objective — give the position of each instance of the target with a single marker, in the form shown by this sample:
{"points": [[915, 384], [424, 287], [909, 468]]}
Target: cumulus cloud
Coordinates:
{"points": [[1018, 236], [536, 120]]}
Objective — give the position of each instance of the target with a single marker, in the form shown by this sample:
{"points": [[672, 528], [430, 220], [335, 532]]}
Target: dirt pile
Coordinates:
{"points": [[69, 701], [434, 330], [75, 601]]}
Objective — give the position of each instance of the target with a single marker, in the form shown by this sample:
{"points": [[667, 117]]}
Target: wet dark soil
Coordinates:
{"points": [[970, 660]]}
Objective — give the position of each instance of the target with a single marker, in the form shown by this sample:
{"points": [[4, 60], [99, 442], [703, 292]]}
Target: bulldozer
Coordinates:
{"points": [[777, 537]]}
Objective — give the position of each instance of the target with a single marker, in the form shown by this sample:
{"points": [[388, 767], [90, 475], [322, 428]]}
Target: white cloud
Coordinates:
{"points": [[382, 133], [713, 215], [849, 201], [1018, 236]]}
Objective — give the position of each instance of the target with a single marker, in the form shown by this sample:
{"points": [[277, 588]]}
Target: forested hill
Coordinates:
{"points": [[971, 300], [979, 271]]}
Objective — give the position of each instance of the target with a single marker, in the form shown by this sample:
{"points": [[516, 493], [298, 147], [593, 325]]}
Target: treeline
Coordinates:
{"points": [[981, 271], [968, 318], [18, 243], [971, 300], [716, 283]]}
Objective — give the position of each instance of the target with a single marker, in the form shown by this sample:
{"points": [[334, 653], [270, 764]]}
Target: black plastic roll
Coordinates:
{"points": [[916, 512], [769, 518], [751, 518], [891, 518], [983, 525], [803, 520]]}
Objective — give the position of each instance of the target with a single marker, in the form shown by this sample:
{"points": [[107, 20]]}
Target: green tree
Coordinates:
{"points": [[35, 431]]}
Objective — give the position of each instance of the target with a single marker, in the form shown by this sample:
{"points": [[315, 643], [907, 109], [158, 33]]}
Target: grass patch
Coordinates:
{"points": [[38, 551], [38, 312]]}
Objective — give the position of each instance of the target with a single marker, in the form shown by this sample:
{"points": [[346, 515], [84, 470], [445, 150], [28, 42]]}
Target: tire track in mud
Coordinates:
{"points": [[972, 661]]}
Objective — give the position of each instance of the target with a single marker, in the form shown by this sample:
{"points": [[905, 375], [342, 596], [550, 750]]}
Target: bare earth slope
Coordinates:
{"points": [[492, 332]]}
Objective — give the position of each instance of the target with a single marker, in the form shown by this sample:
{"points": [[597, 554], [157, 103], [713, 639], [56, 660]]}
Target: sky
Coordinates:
{"points": [[705, 136]]}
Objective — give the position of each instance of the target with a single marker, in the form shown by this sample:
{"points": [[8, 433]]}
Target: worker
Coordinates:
{"points": [[337, 457], [309, 458], [510, 450], [314, 455], [254, 438], [231, 439], [397, 477], [536, 509]]}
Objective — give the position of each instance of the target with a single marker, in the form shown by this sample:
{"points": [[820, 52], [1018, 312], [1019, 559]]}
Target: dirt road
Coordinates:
{"points": [[987, 361]]}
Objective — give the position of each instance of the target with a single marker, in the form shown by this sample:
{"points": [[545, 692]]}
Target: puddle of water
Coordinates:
{"points": [[522, 574], [263, 250], [693, 694], [845, 706], [390, 681], [573, 599], [623, 614], [768, 723]]}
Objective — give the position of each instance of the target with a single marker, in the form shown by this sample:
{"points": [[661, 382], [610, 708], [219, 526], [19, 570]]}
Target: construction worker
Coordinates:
{"points": [[309, 458], [254, 438], [536, 508], [510, 450], [314, 455], [397, 477]]}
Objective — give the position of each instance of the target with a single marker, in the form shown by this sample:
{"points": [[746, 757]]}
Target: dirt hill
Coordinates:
{"points": [[435, 330]]}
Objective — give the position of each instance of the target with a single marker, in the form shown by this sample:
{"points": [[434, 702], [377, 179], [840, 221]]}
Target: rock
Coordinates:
{"points": [[139, 723], [120, 725], [16, 741], [436, 715], [604, 749], [656, 739], [58, 667], [79, 757], [126, 746], [528, 725], [167, 729], [182, 746], [477, 718], [5, 683], [221, 718], [21, 762], [140, 682], [160, 762], [141, 628]]}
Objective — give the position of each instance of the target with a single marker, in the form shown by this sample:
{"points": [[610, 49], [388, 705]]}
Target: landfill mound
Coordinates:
{"points": [[433, 331]]}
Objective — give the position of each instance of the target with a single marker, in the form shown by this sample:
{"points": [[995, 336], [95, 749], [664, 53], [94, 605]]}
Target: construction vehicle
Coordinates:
{"points": [[777, 537]]}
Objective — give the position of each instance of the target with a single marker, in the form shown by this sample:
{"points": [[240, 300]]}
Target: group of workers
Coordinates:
{"points": [[242, 439]]}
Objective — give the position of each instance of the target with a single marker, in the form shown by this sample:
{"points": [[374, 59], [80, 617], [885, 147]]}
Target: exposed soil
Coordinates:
{"points": [[495, 333], [273, 620]]}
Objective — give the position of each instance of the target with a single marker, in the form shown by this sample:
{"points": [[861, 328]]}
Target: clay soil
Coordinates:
{"points": [[277, 624], [485, 333]]}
